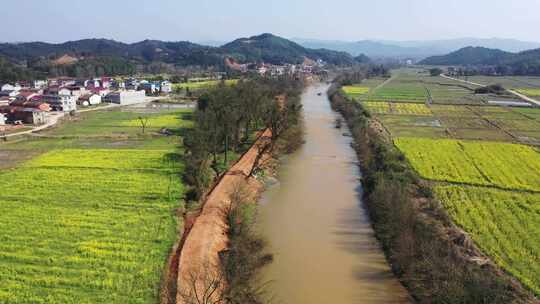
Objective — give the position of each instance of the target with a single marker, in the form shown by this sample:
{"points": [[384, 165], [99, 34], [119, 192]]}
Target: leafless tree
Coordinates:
{"points": [[144, 122], [203, 287]]}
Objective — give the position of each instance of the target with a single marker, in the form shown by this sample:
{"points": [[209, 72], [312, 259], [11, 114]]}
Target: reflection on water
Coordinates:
{"points": [[324, 246]]}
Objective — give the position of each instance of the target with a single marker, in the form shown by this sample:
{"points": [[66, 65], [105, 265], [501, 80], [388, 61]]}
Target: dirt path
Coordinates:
{"points": [[199, 262]]}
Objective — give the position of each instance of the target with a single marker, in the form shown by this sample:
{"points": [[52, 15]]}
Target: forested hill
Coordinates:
{"points": [[84, 56], [277, 50], [469, 56], [522, 63]]}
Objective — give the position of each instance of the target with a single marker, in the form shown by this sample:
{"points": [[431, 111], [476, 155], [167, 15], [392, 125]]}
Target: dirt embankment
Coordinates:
{"points": [[198, 260]]}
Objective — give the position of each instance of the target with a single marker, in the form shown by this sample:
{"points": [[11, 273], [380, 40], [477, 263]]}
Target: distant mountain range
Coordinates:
{"points": [[415, 49], [265, 47], [95, 57], [501, 62]]}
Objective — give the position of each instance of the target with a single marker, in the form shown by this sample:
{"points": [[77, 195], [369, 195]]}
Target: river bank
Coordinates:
{"points": [[434, 258], [199, 264], [317, 228]]}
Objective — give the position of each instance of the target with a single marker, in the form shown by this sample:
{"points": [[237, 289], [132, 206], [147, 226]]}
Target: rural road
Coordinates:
{"points": [[54, 117], [521, 96]]}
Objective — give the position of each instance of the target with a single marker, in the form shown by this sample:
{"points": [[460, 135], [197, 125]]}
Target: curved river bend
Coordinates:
{"points": [[323, 244]]}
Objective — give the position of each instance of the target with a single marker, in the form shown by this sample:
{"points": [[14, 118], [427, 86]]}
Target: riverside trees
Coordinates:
{"points": [[227, 120]]}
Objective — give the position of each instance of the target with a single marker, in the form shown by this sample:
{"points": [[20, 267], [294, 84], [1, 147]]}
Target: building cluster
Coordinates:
{"points": [[306, 69], [297, 70], [29, 102]]}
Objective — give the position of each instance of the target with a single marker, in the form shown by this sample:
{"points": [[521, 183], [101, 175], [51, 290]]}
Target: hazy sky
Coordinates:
{"points": [[199, 20]]}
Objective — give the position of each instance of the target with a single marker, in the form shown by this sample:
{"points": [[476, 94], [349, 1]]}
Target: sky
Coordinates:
{"points": [[225, 20]]}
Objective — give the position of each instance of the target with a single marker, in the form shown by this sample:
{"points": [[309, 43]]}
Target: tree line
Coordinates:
{"points": [[227, 121]]}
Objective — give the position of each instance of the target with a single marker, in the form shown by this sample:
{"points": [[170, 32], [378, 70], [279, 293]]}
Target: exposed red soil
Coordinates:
{"points": [[199, 257]]}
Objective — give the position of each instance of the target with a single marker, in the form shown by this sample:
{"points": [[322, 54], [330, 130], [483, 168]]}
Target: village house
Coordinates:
{"points": [[118, 84], [89, 100], [92, 83], [150, 87], [9, 93], [166, 87], [30, 116], [4, 101], [106, 82], [31, 104], [10, 87], [65, 103], [100, 91], [26, 95], [39, 84], [25, 115], [126, 97], [74, 91], [62, 81]]}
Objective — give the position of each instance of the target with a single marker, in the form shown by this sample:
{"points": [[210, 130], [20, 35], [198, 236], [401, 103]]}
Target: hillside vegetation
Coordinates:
{"points": [[96, 57], [504, 63]]}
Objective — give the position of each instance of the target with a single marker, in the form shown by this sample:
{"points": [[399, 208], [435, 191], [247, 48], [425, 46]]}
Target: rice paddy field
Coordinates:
{"points": [[88, 212], [482, 160]]}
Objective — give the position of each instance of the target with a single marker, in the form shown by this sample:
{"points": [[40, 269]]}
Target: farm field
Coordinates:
{"points": [[362, 89], [458, 121], [356, 91], [492, 190], [501, 165], [508, 82], [482, 160], [503, 224], [201, 84], [417, 86], [529, 92], [87, 214]]}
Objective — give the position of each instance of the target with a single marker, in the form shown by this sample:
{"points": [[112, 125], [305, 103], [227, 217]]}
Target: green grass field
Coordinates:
{"points": [[88, 218]]}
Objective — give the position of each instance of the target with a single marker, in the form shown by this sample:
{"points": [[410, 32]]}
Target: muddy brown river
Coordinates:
{"points": [[323, 244]]}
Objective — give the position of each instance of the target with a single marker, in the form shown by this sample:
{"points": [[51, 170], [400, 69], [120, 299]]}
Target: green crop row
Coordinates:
{"points": [[505, 224], [87, 226], [503, 165]]}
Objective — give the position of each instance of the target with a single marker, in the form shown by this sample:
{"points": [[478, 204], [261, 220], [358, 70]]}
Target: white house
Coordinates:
{"points": [[64, 91], [89, 100], [10, 87], [65, 103], [126, 97], [39, 84], [166, 87], [75, 91], [2, 119]]}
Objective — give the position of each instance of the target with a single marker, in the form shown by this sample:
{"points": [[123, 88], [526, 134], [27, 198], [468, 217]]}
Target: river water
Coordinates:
{"points": [[323, 244]]}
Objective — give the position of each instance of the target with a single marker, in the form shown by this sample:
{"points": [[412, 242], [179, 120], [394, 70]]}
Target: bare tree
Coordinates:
{"points": [[204, 287], [144, 122]]}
